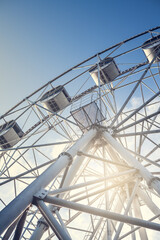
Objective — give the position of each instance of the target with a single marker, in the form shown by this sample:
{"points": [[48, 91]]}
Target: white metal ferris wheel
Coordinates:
{"points": [[80, 156]]}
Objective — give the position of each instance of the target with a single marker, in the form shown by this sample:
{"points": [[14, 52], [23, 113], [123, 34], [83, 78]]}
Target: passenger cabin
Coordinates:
{"points": [[10, 134], [108, 71], [151, 48], [87, 115], [56, 99]]}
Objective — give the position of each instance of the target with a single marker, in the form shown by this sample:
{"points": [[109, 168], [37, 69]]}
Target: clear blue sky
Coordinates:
{"points": [[41, 38]]}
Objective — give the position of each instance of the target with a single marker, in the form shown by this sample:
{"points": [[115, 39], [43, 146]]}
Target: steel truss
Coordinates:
{"points": [[63, 180]]}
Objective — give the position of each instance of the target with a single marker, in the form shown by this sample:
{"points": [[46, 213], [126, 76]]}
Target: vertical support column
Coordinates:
{"points": [[127, 209], [61, 222], [148, 201], [42, 226], [67, 181], [73, 170], [10, 230], [96, 228], [130, 210], [107, 197], [20, 225], [56, 227], [99, 84], [115, 157], [137, 212], [118, 207]]}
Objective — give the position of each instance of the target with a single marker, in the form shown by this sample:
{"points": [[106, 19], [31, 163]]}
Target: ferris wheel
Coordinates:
{"points": [[80, 155]]}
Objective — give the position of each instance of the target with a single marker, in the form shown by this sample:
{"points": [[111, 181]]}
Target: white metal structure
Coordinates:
{"points": [[108, 71], [151, 47], [10, 134], [91, 169], [56, 99]]}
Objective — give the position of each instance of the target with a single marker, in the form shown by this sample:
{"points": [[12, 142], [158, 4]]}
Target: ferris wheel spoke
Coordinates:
{"points": [[132, 92], [6, 168], [138, 121], [145, 158], [154, 79], [56, 114], [36, 146], [138, 109], [19, 158], [127, 100], [127, 208]]}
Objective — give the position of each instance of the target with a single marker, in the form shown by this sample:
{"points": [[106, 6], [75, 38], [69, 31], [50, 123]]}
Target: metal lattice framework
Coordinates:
{"points": [[89, 170]]}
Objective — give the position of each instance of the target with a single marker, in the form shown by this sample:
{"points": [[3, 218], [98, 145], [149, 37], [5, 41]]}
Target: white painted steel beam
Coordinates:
{"points": [[10, 213], [148, 201], [80, 185], [68, 179], [138, 214], [73, 170], [126, 210], [56, 227], [104, 160], [139, 108], [137, 228], [131, 94], [102, 213], [72, 218], [96, 228], [42, 226], [132, 161], [61, 222], [119, 205]]}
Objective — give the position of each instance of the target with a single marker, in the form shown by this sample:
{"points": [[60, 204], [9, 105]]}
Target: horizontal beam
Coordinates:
{"points": [[102, 190], [80, 185], [102, 213], [103, 159]]}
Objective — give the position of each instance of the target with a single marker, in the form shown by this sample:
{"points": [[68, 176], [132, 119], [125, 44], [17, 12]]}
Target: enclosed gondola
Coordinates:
{"points": [[108, 71], [87, 115], [151, 48], [56, 99], [10, 134]]}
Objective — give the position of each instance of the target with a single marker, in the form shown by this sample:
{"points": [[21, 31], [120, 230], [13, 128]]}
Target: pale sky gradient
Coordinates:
{"points": [[40, 39]]}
